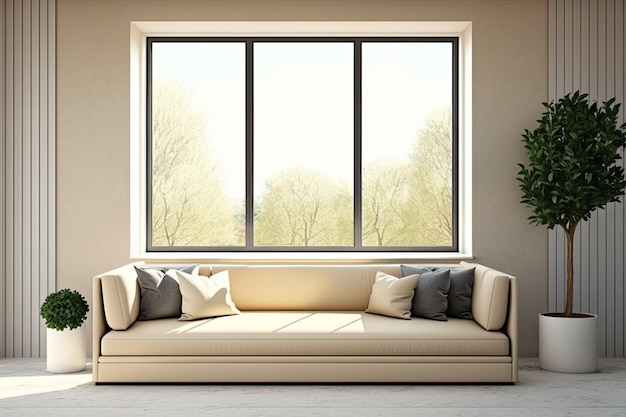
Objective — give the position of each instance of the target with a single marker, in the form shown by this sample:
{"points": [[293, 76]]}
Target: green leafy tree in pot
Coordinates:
{"points": [[573, 167], [64, 309]]}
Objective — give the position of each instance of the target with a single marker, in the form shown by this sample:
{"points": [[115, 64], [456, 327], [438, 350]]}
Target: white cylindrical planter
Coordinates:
{"points": [[568, 344], [66, 350]]}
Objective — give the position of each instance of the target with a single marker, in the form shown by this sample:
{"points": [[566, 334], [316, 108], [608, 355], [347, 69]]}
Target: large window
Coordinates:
{"points": [[302, 144]]}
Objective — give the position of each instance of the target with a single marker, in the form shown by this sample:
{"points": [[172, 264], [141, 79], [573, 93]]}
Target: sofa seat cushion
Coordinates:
{"points": [[305, 333]]}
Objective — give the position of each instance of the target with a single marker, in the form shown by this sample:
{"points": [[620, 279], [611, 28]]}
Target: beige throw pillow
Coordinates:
{"points": [[392, 296], [205, 297]]}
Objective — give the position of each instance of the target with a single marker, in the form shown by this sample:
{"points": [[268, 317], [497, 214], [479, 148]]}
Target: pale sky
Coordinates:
{"points": [[303, 101]]}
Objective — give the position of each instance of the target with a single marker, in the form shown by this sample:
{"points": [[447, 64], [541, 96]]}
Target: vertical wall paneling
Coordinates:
{"points": [[620, 249], [9, 139], [2, 181], [47, 268], [28, 173], [587, 45], [552, 57]]}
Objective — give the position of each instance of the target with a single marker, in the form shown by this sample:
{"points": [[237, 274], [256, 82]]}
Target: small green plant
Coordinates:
{"points": [[573, 167], [64, 309]]}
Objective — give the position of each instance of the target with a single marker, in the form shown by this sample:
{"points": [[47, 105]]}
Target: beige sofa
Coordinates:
{"points": [[304, 324]]}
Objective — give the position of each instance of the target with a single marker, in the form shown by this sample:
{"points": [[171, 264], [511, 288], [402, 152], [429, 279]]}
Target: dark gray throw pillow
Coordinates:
{"points": [[160, 294], [431, 294], [460, 293]]}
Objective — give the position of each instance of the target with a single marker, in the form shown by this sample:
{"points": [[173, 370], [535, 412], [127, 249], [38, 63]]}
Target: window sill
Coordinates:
{"points": [[301, 257]]}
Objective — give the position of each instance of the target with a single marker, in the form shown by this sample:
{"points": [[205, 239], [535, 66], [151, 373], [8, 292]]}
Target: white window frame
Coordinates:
{"points": [[139, 31]]}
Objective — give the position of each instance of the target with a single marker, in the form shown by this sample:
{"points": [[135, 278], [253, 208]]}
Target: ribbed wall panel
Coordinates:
{"points": [[28, 172], [2, 188], [587, 46]]}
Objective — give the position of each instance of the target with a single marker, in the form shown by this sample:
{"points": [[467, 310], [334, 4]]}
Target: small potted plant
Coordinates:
{"points": [[64, 313], [572, 171]]}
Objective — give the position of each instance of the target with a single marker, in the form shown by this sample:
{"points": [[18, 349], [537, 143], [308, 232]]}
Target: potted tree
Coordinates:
{"points": [[64, 313], [572, 171]]}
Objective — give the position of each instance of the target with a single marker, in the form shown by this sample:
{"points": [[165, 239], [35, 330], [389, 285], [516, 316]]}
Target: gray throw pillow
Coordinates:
{"points": [[431, 294], [160, 291], [460, 293]]}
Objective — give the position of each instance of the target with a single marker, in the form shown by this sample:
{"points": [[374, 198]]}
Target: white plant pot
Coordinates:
{"points": [[568, 344], [66, 350]]}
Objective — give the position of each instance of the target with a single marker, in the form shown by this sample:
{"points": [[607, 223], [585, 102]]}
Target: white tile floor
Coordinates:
{"points": [[26, 389]]}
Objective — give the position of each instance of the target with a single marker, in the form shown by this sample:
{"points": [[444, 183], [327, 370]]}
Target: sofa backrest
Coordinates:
{"points": [[298, 287]]}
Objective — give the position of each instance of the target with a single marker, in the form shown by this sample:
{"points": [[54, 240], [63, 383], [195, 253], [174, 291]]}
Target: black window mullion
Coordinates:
{"points": [[249, 240], [149, 156], [358, 188], [455, 144]]}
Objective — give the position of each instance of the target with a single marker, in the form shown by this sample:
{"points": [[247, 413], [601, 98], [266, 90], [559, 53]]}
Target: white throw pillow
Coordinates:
{"points": [[392, 296], [205, 297]]}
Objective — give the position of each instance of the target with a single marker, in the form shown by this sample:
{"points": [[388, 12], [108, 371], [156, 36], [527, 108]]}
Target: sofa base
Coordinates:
{"points": [[234, 369]]}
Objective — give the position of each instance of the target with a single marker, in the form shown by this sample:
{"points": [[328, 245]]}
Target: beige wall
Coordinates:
{"points": [[510, 80]]}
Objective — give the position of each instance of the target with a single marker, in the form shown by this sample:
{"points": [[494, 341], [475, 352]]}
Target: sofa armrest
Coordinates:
{"points": [[120, 289], [494, 305], [120, 296], [490, 296]]}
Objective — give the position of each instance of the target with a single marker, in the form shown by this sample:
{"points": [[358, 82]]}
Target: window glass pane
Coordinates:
{"points": [[303, 117], [303, 144], [198, 144], [407, 144]]}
